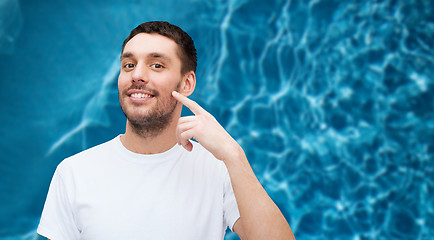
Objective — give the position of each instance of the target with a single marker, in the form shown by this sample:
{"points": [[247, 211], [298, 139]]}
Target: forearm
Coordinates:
{"points": [[260, 216]]}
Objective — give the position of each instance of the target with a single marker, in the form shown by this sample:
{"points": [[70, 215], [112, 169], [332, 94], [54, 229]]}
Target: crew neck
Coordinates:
{"points": [[172, 153]]}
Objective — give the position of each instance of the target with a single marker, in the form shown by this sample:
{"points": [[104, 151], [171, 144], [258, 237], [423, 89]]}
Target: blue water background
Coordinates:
{"points": [[333, 102]]}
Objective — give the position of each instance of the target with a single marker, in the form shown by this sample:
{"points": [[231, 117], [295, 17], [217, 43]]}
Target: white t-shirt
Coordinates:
{"points": [[108, 192]]}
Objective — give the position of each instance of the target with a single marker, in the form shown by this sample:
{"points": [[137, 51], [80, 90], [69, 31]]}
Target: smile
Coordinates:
{"points": [[141, 95]]}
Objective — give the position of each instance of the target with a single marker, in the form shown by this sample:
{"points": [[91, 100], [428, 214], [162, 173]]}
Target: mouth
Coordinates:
{"points": [[139, 95]]}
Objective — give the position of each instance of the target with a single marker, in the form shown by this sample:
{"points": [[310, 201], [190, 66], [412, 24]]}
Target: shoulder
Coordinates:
{"points": [[200, 151], [203, 157], [89, 156]]}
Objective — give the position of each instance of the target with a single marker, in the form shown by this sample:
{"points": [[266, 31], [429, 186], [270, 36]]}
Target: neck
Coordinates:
{"points": [[158, 143]]}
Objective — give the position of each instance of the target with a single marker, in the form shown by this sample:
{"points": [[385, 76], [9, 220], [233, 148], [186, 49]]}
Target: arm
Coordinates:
{"points": [[260, 217]]}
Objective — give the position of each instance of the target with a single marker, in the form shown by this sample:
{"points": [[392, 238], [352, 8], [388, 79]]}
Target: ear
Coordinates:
{"points": [[188, 84]]}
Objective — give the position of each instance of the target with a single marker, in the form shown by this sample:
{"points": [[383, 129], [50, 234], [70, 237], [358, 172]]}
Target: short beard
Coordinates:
{"points": [[156, 120], [153, 124]]}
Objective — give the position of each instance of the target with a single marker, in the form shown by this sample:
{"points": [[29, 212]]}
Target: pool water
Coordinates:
{"points": [[333, 102]]}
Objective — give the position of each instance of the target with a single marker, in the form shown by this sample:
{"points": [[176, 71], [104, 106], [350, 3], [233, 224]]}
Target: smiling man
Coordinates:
{"points": [[153, 182]]}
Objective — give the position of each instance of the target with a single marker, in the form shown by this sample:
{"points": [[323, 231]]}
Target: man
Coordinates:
{"points": [[153, 182]]}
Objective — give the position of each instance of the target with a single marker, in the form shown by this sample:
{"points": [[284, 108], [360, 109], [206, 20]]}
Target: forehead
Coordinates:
{"points": [[144, 44]]}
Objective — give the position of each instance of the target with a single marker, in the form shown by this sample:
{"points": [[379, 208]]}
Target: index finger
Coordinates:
{"points": [[192, 105]]}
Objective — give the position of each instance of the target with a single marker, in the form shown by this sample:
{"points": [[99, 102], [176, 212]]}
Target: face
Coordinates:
{"points": [[150, 71]]}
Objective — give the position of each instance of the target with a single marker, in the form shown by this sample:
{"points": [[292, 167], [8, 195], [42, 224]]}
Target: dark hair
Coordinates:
{"points": [[187, 51]]}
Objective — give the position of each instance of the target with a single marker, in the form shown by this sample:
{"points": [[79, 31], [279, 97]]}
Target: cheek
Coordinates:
{"points": [[164, 81], [122, 82]]}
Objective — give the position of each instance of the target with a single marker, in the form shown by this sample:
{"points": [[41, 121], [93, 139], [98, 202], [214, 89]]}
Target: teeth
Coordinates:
{"points": [[140, 95]]}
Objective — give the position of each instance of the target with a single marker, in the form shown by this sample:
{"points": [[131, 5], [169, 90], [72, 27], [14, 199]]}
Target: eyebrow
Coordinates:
{"points": [[150, 55], [126, 55]]}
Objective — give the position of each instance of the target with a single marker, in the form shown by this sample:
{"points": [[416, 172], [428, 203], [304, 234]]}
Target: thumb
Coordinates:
{"points": [[188, 145]]}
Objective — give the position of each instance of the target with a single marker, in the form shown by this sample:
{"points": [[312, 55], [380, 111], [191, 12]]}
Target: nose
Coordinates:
{"points": [[140, 74]]}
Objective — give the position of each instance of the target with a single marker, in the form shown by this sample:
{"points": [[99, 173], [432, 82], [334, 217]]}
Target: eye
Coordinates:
{"points": [[156, 65], [129, 65]]}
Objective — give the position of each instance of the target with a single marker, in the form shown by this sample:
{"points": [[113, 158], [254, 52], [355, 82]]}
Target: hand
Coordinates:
{"points": [[205, 129]]}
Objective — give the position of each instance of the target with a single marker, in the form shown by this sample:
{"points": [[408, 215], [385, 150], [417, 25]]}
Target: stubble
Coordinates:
{"points": [[150, 123]]}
